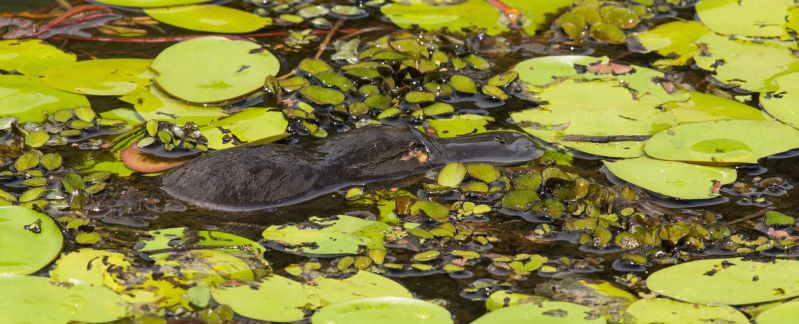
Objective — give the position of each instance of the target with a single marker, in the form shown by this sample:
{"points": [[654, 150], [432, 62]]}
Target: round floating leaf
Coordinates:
{"points": [[363, 284], [703, 107], [30, 240], [180, 238], [104, 77], [247, 126], [386, 310], [460, 125], [150, 3], [275, 298], [758, 18], [28, 299], [28, 100], [470, 14], [674, 40], [662, 310], [784, 105], [154, 104], [213, 69], [28, 57], [730, 141], [785, 313], [209, 266], [89, 266], [209, 18], [550, 312], [673, 179], [748, 65], [727, 281], [341, 235], [452, 174]]}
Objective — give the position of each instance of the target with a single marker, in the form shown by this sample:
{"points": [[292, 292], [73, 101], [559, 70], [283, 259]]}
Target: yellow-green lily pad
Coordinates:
{"points": [[209, 18], [674, 179], [28, 57], [156, 105], [30, 240], [756, 18], [663, 310], [212, 70], [727, 281], [385, 310], [247, 126], [363, 284], [275, 299], [784, 313], [341, 235], [150, 3], [103, 77], [784, 104], [727, 141], [550, 312], [28, 299], [28, 100], [673, 40]]}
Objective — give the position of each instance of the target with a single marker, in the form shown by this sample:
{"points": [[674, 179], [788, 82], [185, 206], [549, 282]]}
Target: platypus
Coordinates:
{"points": [[261, 176]]}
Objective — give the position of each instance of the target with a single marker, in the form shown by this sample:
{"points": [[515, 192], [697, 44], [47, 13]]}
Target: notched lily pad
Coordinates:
{"points": [[335, 236], [673, 179], [30, 240]]}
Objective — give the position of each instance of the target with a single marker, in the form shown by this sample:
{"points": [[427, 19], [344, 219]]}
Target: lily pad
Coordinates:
{"points": [[28, 57], [470, 14], [673, 40], [730, 141], [275, 299], [460, 125], [662, 310], [28, 299], [784, 313], [90, 266], [702, 107], [104, 77], [181, 238], [247, 126], [209, 18], [150, 3], [727, 281], [551, 312], [29, 100], [757, 18], [205, 265], [212, 70], [388, 310], [748, 65], [156, 105], [673, 179], [363, 284], [30, 240], [783, 104], [341, 235]]}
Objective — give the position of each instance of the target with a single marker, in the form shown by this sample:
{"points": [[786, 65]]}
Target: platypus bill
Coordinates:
{"points": [[263, 176]]}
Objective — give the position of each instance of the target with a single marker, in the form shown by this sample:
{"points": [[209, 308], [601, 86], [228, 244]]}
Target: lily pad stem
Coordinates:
{"points": [[514, 15]]}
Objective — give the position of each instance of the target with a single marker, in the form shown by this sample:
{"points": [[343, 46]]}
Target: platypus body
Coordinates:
{"points": [[263, 176]]}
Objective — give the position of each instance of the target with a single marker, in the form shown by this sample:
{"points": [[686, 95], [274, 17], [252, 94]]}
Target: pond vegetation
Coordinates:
{"points": [[663, 194]]}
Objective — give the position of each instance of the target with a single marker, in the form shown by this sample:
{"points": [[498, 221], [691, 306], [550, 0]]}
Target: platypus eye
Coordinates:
{"points": [[415, 151]]}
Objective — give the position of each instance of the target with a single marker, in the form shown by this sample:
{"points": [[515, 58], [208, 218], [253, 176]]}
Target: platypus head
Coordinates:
{"points": [[500, 147]]}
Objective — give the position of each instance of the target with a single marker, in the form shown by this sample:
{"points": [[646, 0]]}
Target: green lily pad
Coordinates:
{"points": [[363, 284], [727, 281], [28, 57], [757, 18], [213, 69], [387, 310], [550, 312], [702, 107], [30, 240], [342, 235], [104, 77], [156, 105], [784, 313], [662, 310], [460, 125], [248, 126], [29, 100], [28, 299], [729, 141], [178, 238], [275, 298], [783, 104], [210, 18], [470, 14], [205, 265], [150, 3], [674, 40], [452, 174], [89, 266], [673, 179], [749, 65]]}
